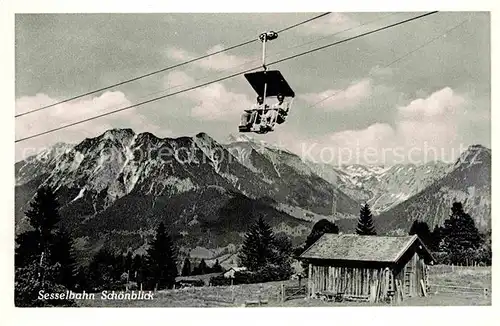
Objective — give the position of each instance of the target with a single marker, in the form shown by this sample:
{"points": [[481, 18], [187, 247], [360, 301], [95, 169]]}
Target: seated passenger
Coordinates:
{"points": [[282, 109], [250, 116], [277, 113], [270, 116]]}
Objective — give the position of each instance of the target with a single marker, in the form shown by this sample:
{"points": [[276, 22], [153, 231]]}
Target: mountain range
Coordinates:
{"points": [[115, 188]]}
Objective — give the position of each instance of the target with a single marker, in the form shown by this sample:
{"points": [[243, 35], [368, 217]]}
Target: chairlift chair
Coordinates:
{"points": [[267, 84]]}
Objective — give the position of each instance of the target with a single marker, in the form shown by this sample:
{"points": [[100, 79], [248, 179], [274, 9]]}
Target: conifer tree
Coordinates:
{"points": [[422, 230], [365, 222], [43, 215], [217, 268], [321, 227], [202, 268], [43, 255], [460, 237], [62, 252], [257, 251], [283, 251], [186, 267], [162, 257]]}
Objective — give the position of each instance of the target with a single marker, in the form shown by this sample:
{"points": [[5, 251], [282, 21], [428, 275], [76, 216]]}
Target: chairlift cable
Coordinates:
{"points": [[271, 54], [399, 58], [165, 69], [353, 37], [223, 78]]}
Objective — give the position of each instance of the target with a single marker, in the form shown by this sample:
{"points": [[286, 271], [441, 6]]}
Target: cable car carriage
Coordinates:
{"points": [[268, 84]]}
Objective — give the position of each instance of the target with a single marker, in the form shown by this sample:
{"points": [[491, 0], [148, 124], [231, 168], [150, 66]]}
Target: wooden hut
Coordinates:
{"points": [[367, 268]]}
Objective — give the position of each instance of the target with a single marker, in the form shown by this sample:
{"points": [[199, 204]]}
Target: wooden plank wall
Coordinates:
{"points": [[414, 277], [375, 283], [420, 275], [360, 282], [417, 269]]}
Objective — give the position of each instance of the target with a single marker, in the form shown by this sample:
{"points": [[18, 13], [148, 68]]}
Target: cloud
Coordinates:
{"points": [[70, 112], [371, 136], [434, 119], [438, 105], [64, 113], [339, 99], [425, 129], [220, 61], [333, 23], [212, 102]]}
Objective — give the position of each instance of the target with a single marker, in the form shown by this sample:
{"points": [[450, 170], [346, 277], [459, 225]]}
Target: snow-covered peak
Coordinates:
{"points": [[53, 152], [257, 144], [232, 138], [118, 134], [359, 170], [41, 163], [386, 186]]}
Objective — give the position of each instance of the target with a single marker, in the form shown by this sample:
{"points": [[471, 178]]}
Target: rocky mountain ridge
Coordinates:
{"points": [[116, 187]]}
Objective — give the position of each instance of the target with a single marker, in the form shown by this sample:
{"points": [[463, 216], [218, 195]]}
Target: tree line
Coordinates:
{"points": [[44, 255], [457, 241], [44, 260], [201, 269]]}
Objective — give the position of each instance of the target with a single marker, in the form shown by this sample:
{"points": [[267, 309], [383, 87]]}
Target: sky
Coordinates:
{"points": [[413, 93]]}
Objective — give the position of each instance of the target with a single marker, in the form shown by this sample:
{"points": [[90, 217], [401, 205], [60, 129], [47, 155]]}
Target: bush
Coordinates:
{"points": [[132, 286], [275, 273], [481, 256], [440, 258]]}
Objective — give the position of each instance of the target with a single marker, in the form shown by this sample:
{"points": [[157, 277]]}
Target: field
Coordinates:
{"points": [[476, 277]]}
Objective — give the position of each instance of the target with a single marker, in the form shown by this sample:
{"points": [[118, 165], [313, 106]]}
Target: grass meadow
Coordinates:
{"points": [[443, 278]]}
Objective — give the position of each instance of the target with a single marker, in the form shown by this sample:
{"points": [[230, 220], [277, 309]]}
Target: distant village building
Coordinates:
{"points": [[194, 280], [230, 273], [368, 268]]}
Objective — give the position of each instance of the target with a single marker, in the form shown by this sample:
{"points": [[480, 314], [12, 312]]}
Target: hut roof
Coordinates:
{"points": [[361, 248]]}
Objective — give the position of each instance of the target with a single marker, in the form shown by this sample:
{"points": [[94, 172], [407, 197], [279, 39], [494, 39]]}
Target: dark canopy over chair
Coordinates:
{"points": [[276, 83]]}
